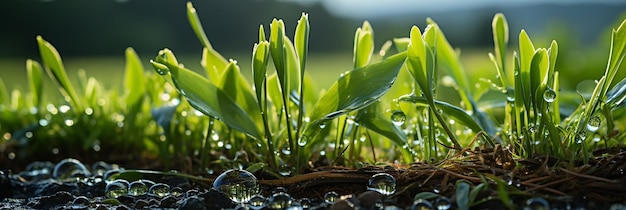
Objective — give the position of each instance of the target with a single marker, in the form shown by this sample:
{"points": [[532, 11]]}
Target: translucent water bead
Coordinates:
{"points": [[279, 200], [383, 183], [116, 188], [137, 188], [159, 190], [238, 185], [70, 168]]}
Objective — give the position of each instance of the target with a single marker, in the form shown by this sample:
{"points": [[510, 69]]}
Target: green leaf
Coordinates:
{"points": [[262, 33], [363, 45], [539, 67], [277, 46], [205, 96], [416, 61], [260, 55], [35, 81], [292, 68], [56, 71], [235, 85], [301, 39], [375, 119], [457, 113], [401, 44], [462, 194], [426, 196], [500, 29], [357, 89], [616, 55], [134, 78], [255, 167], [212, 61], [526, 54]]}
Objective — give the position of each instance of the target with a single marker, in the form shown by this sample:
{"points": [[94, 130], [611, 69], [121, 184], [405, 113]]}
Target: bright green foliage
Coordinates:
{"points": [[205, 96], [390, 102], [56, 70]]}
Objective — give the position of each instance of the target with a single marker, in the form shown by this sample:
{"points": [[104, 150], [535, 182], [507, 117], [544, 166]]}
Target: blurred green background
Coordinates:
{"points": [[93, 35]]}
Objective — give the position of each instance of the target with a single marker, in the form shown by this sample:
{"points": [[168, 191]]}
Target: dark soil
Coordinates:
{"points": [[598, 184]]}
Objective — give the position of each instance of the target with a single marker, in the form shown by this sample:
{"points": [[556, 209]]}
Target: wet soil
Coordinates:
{"points": [[599, 183]]}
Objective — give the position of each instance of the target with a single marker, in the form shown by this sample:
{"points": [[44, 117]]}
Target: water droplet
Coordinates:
{"points": [[279, 200], [322, 125], [238, 185], [421, 204], [537, 203], [594, 124], [70, 168], [383, 183], [510, 95], [581, 136], [443, 203], [177, 191], [549, 95], [306, 203], [398, 117], [331, 197], [617, 206], [532, 129], [137, 188], [302, 141], [285, 149], [81, 202], [284, 170], [257, 202], [116, 188], [159, 190]]}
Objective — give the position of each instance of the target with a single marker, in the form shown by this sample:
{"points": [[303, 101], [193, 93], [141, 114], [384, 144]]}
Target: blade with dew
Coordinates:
{"points": [[133, 78], [56, 71]]}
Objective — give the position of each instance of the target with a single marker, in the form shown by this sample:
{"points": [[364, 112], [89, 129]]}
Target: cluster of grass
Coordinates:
{"points": [[385, 109]]}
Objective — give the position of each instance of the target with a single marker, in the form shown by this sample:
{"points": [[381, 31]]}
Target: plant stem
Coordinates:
{"points": [[206, 146]]}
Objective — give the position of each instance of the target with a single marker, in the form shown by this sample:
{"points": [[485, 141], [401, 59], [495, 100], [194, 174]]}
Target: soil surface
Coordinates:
{"points": [[598, 184]]}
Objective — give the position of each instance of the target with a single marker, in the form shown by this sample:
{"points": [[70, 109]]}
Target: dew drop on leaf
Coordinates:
{"points": [[383, 183], [398, 117], [510, 95], [549, 95], [594, 124]]}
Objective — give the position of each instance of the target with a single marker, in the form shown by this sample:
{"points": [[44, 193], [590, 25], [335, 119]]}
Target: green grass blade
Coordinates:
{"points": [[373, 118], [56, 71], [526, 54], [205, 96], [4, 93], [539, 67], [363, 45], [616, 55], [134, 84], [34, 72], [500, 29], [357, 89], [212, 61], [292, 68]]}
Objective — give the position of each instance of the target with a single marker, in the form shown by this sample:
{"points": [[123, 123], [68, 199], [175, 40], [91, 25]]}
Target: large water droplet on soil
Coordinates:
{"points": [[398, 117], [238, 185], [383, 183], [81, 202], [257, 202], [159, 190], [137, 188], [70, 168], [443, 203], [594, 124], [279, 200], [421, 204], [116, 188], [284, 170], [537, 203], [331, 197], [549, 95]]}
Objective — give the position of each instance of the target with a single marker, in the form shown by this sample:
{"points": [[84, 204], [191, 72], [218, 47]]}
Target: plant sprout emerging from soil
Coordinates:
{"points": [[386, 108]]}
